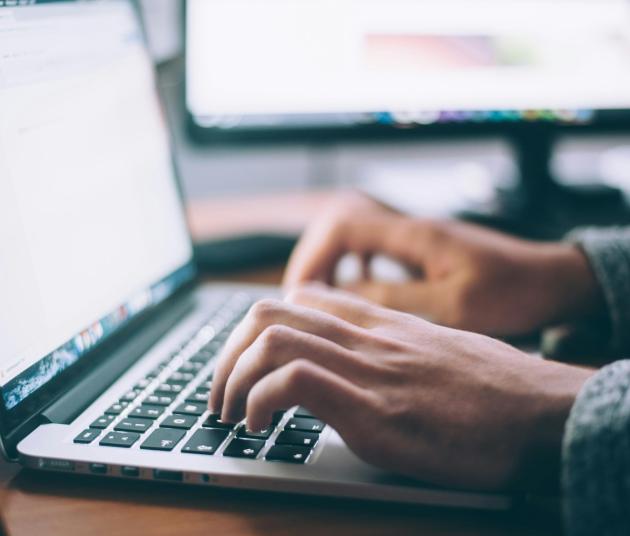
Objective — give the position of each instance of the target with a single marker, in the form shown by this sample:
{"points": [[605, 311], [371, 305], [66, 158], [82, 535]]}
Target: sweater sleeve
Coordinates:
{"points": [[608, 252], [596, 456]]}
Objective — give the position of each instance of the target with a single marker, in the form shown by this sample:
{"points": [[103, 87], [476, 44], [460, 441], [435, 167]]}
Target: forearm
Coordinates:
{"points": [[608, 252]]}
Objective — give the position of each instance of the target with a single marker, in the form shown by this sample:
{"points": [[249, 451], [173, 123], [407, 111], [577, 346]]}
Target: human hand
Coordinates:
{"points": [[441, 405], [466, 276]]}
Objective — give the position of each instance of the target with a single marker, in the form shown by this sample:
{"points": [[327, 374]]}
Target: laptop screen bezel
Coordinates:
{"points": [[17, 422]]}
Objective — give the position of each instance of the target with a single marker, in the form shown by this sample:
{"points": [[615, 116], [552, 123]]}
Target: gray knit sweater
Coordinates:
{"points": [[596, 450]]}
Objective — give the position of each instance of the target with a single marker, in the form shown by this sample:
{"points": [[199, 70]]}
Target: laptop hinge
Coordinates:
{"points": [[70, 405]]}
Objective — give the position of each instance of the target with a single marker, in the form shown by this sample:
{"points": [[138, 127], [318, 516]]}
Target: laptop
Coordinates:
{"points": [[107, 338]]}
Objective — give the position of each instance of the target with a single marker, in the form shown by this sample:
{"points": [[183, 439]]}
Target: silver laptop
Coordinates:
{"points": [[107, 344]]}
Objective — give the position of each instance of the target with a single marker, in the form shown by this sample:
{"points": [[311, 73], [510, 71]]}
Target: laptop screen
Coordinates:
{"points": [[92, 230]]}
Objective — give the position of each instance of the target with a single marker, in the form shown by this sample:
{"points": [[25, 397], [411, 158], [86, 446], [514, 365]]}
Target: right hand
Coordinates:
{"points": [[467, 277], [444, 406]]}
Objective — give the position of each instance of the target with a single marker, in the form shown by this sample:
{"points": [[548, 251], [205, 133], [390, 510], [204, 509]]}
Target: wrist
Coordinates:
{"points": [[540, 461], [570, 283]]}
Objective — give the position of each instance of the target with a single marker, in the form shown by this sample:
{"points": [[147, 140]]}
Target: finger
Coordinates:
{"points": [[267, 313], [328, 396], [415, 296], [318, 252], [342, 304], [316, 255], [277, 346]]}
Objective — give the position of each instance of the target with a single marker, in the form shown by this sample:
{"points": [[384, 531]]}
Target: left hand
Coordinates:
{"points": [[441, 405]]}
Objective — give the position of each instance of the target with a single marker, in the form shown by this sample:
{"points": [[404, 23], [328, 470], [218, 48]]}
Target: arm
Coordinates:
{"points": [[608, 252], [596, 456]]}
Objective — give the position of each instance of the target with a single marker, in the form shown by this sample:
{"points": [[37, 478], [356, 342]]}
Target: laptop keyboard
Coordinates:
{"points": [[167, 409]]}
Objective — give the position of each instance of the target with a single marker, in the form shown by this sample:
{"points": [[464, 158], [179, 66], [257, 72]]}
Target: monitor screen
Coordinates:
{"points": [[92, 230], [313, 63]]}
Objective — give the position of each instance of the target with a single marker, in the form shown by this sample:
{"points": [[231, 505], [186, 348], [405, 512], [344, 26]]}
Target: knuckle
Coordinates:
{"points": [[273, 337], [264, 310], [299, 372]]}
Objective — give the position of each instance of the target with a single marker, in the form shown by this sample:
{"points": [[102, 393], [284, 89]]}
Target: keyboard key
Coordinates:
{"points": [[205, 441], [119, 439], [169, 389], [87, 436], [102, 422], [288, 454], [198, 397], [299, 439], [304, 413], [130, 396], [214, 421], [212, 347], [142, 384], [190, 408], [244, 448], [191, 366], [133, 425], [205, 385], [305, 425], [117, 408], [181, 378], [264, 434], [163, 439], [185, 422], [147, 412], [160, 400], [277, 416], [201, 357]]}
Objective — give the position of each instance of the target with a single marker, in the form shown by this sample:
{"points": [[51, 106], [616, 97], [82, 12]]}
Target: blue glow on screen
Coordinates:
{"points": [[47, 368]]}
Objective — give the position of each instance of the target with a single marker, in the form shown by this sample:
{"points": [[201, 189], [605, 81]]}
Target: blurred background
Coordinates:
{"points": [[490, 109]]}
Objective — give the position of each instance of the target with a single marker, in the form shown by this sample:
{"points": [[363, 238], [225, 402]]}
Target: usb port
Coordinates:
{"points": [[175, 476], [98, 468], [127, 470]]}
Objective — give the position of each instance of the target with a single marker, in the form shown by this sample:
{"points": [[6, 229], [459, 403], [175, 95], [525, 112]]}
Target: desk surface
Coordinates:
{"points": [[58, 505], [52, 504]]}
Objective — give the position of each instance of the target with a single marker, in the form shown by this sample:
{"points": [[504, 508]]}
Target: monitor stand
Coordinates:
{"points": [[542, 208]]}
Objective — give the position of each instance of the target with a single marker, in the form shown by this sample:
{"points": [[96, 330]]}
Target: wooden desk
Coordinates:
{"points": [[55, 504], [60, 505]]}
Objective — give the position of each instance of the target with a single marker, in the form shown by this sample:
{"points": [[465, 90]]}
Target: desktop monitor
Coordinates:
{"points": [[332, 70], [270, 68]]}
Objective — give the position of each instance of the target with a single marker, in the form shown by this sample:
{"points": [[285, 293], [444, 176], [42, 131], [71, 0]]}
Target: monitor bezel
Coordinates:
{"points": [[605, 121], [19, 421]]}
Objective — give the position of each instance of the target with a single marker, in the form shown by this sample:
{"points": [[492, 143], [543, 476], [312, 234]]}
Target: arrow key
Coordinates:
{"points": [[119, 439], [243, 448], [288, 454]]}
